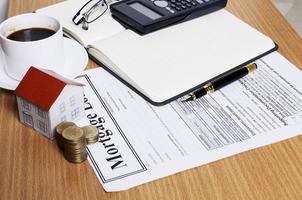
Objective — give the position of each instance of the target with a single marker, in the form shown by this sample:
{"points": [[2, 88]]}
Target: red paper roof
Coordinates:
{"points": [[41, 88]]}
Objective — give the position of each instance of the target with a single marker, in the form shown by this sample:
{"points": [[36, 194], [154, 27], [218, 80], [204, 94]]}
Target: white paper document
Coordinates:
{"points": [[139, 142]]}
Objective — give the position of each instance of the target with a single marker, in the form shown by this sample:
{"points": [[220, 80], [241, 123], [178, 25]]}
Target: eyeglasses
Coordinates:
{"points": [[89, 12]]}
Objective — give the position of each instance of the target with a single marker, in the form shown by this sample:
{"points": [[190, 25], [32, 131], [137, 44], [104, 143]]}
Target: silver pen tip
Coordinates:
{"points": [[190, 97]]}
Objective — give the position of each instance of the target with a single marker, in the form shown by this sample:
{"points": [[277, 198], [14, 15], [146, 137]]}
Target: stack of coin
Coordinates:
{"points": [[59, 131], [91, 134], [74, 144]]}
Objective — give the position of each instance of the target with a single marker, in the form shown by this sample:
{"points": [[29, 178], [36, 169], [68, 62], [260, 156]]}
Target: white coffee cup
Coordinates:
{"points": [[18, 56]]}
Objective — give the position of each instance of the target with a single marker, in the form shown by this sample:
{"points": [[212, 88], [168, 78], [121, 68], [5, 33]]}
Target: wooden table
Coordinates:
{"points": [[31, 166]]}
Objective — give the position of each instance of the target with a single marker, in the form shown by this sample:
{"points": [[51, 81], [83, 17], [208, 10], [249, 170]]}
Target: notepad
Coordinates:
{"points": [[166, 64]]}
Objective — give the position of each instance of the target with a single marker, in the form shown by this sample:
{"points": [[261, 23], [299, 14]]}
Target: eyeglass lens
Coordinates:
{"points": [[93, 10]]}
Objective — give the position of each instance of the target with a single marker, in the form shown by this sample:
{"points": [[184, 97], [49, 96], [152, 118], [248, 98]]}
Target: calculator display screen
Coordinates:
{"points": [[145, 11]]}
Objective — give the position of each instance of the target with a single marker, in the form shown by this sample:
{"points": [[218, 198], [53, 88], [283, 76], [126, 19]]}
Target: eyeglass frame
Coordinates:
{"points": [[89, 10]]}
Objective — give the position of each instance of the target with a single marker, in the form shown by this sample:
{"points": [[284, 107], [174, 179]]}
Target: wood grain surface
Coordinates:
{"points": [[32, 167]]}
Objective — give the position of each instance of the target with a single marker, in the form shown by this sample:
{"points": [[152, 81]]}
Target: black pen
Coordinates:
{"points": [[221, 82]]}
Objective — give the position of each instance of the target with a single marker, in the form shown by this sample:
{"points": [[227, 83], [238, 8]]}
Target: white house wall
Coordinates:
{"points": [[56, 115], [36, 118], [20, 109]]}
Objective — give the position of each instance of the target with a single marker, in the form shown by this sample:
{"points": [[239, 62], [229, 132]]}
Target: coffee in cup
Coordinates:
{"points": [[31, 40], [31, 34]]}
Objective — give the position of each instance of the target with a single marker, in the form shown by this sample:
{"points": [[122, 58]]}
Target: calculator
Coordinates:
{"points": [[144, 16]]}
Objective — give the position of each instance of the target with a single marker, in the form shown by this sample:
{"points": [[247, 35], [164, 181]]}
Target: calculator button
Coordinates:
{"points": [[193, 3], [173, 1], [178, 8], [188, 5], [161, 4], [200, 1], [183, 6], [172, 5]]}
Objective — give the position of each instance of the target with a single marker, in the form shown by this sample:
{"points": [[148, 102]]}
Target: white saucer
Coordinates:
{"points": [[76, 59]]}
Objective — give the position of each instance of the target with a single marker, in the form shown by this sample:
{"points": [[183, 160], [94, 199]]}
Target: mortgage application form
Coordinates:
{"points": [[139, 142]]}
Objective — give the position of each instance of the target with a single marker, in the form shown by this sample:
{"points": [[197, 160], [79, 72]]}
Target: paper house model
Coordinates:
{"points": [[45, 99]]}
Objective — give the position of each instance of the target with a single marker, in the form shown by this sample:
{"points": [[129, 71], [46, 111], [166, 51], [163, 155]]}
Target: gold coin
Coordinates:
{"points": [[59, 129], [74, 151], [90, 131], [92, 141], [82, 140], [74, 142], [91, 134], [73, 134], [75, 145], [76, 158]]}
